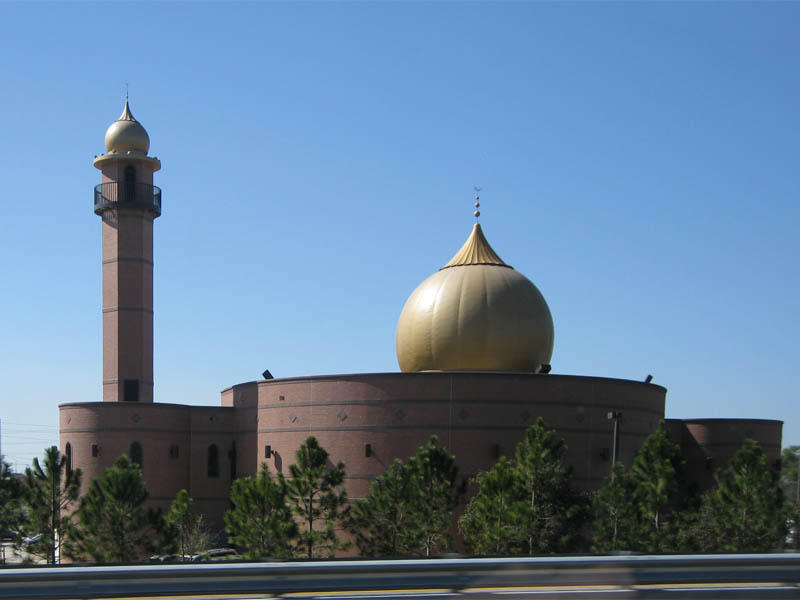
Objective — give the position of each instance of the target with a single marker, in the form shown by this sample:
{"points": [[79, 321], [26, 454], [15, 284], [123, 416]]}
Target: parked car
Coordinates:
{"points": [[216, 554], [170, 558]]}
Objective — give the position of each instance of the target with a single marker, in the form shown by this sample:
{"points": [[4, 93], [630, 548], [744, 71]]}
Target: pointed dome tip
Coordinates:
{"points": [[476, 251], [126, 115]]}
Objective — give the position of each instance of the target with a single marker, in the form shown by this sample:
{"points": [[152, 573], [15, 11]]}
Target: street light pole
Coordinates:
{"points": [[797, 486], [615, 416]]}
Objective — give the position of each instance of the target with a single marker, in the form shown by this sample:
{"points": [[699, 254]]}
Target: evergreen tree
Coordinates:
{"points": [[746, 511], [316, 499], [409, 509], [186, 528], [552, 514], [438, 490], [658, 492], [612, 509], [490, 524], [526, 505], [113, 525], [48, 490], [790, 482], [260, 520], [11, 514], [384, 522]]}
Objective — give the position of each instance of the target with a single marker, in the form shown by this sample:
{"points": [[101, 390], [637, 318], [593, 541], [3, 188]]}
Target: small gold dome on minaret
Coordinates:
{"points": [[126, 134], [475, 313]]}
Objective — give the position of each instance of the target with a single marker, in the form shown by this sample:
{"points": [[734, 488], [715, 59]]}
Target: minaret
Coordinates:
{"points": [[128, 202]]}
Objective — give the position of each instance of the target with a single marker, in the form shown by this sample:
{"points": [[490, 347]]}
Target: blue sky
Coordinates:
{"points": [[639, 163]]}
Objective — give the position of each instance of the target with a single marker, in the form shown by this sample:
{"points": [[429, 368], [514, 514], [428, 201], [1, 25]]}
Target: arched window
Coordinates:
{"points": [[136, 454], [130, 184], [68, 455], [213, 461], [232, 458]]}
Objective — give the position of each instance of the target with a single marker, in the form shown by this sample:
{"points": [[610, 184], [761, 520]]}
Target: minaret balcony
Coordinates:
{"points": [[127, 195]]}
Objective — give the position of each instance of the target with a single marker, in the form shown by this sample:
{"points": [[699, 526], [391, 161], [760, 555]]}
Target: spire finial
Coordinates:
{"points": [[126, 91], [477, 212]]}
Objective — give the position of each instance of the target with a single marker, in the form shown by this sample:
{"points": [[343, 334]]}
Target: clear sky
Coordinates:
{"points": [[639, 163]]}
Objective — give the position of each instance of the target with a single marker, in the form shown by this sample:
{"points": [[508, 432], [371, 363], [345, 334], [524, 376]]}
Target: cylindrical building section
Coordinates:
{"points": [[156, 436], [368, 420], [710, 444], [177, 447]]}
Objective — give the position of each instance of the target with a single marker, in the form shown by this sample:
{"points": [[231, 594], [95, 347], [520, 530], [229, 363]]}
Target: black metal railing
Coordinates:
{"points": [[127, 195]]}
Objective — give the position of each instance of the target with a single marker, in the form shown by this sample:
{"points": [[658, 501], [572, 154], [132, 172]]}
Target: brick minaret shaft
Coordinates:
{"points": [[128, 202]]}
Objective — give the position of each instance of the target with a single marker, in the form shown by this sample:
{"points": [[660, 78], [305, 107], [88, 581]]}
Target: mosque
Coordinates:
{"points": [[474, 343]]}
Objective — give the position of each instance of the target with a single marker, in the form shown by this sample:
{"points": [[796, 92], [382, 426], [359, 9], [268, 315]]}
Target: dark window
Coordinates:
{"points": [[95, 450], [173, 451], [136, 453], [130, 184], [68, 455], [131, 390], [213, 461], [232, 458]]}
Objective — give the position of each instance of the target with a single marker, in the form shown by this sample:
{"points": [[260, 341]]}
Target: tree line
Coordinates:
{"points": [[523, 504]]}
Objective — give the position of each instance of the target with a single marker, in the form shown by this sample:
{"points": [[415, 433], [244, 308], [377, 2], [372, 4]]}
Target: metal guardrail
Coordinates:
{"points": [[40, 583], [127, 194]]}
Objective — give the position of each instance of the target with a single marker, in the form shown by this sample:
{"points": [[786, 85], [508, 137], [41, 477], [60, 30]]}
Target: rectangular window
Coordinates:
{"points": [[131, 390]]}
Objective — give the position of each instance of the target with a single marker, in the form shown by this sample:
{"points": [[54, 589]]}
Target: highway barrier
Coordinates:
{"points": [[275, 578]]}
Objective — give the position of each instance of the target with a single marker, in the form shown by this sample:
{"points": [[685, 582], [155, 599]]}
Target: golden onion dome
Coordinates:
{"points": [[127, 134], [475, 313]]}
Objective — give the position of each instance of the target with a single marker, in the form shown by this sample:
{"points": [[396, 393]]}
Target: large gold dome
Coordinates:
{"points": [[127, 134], [475, 313]]}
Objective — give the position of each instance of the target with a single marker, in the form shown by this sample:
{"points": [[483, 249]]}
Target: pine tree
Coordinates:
{"points": [[317, 499], [436, 493], [11, 513], [552, 514], [790, 482], [659, 494], [612, 511], [113, 525], [383, 522], [186, 528], [490, 523], [48, 491], [260, 520], [526, 505], [409, 509], [746, 511]]}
